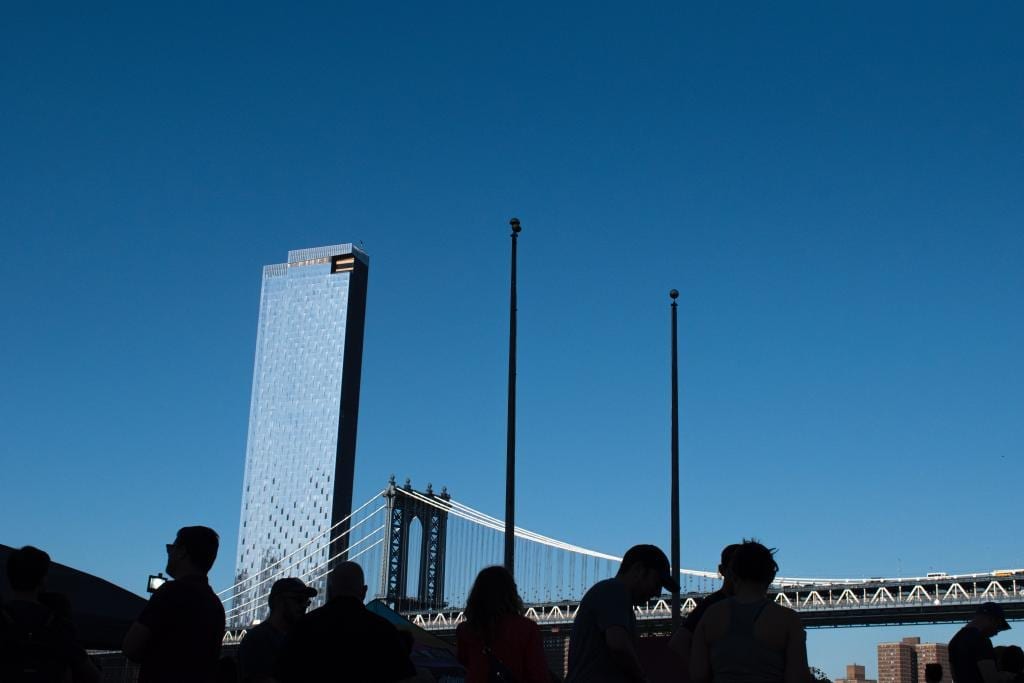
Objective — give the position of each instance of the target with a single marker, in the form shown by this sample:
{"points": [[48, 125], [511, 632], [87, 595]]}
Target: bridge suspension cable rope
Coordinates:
{"points": [[308, 543], [299, 561], [351, 559], [234, 611], [471, 514], [452, 506], [468, 513], [282, 571]]}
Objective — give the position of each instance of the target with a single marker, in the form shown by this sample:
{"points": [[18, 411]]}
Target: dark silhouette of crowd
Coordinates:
{"points": [[37, 638], [972, 657], [737, 634]]}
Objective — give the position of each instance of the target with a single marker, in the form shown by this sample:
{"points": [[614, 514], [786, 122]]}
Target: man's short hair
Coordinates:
{"points": [[201, 544], [753, 561], [727, 553], [648, 556], [347, 579], [26, 568]]}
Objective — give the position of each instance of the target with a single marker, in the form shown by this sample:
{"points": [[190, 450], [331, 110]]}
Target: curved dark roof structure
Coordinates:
{"points": [[101, 611]]}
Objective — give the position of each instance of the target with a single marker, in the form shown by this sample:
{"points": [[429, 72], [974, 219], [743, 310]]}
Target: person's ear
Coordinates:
{"points": [[364, 593]]}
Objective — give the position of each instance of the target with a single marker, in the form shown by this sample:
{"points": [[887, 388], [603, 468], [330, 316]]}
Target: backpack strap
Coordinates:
{"points": [[497, 667]]}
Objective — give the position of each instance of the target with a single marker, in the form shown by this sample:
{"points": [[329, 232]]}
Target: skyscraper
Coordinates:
{"points": [[905, 661], [897, 662], [300, 453]]}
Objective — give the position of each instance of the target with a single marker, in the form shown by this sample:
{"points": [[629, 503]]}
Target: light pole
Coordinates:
{"points": [[510, 458], [676, 616]]}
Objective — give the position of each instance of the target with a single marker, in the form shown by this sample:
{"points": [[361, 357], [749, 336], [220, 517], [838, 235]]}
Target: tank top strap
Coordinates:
{"points": [[743, 616]]}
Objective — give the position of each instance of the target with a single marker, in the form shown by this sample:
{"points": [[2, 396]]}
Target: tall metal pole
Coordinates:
{"points": [[510, 460], [676, 616]]}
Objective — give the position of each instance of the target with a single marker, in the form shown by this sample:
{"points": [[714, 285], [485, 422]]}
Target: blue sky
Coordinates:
{"points": [[833, 187]]}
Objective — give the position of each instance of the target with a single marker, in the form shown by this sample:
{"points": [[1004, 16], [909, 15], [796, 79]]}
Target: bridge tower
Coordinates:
{"points": [[403, 508]]}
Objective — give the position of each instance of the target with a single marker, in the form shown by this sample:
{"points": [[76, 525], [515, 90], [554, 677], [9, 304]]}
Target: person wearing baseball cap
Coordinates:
{"points": [[971, 655], [259, 649], [601, 646]]}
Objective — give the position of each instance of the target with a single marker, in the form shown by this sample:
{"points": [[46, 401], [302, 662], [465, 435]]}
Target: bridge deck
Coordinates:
{"points": [[871, 603]]}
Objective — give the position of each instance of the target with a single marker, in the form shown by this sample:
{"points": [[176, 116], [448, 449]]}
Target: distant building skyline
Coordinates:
{"points": [[905, 661], [855, 674], [300, 453], [933, 653]]}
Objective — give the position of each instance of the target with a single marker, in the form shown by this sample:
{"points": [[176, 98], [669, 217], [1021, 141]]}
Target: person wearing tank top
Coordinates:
{"points": [[747, 638]]}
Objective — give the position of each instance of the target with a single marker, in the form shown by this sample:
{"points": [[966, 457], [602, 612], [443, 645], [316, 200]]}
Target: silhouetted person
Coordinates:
{"points": [[496, 637], [261, 646], [82, 668], [179, 633], [602, 644], [683, 638], [1011, 660], [36, 644], [227, 670], [344, 641], [933, 673], [747, 638], [971, 655]]}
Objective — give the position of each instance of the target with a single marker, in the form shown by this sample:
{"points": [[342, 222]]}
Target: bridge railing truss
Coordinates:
{"points": [[926, 600]]}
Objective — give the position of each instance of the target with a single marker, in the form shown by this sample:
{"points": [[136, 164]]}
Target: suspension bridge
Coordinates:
{"points": [[421, 551]]}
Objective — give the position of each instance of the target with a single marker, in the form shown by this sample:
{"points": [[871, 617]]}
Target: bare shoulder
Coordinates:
{"points": [[715, 619], [787, 616], [717, 611]]}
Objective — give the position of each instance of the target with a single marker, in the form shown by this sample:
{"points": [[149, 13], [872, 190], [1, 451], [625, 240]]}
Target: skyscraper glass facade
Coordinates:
{"points": [[301, 442]]}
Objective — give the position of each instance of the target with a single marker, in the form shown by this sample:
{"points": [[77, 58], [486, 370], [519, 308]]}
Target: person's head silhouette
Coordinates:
{"points": [[347, 581], [494, 595], [1011, 659], [723, 567], [753, 567], [289, 600], [645, 571], [990, 619], [193, 552], [26, 571]]}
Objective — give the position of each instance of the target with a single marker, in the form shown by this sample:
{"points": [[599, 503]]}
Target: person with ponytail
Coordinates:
{"points": [[748, 638]]}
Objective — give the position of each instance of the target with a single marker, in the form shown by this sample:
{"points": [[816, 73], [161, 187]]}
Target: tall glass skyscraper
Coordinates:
{"points": [[300, 454]]}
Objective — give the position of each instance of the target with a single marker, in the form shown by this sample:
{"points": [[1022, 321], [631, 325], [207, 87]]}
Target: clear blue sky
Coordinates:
{"points": [[835, 188]]}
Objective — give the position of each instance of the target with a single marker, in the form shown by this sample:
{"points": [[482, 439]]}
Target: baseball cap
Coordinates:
{"points": [[651, 557], [996, 612], [292, 586]]}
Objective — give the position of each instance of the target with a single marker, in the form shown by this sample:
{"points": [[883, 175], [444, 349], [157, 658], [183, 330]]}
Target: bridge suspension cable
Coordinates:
{"points": [[282, 571], [363, 534], [302, 547], [308, 577], [459, 509], [455, 546]]}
